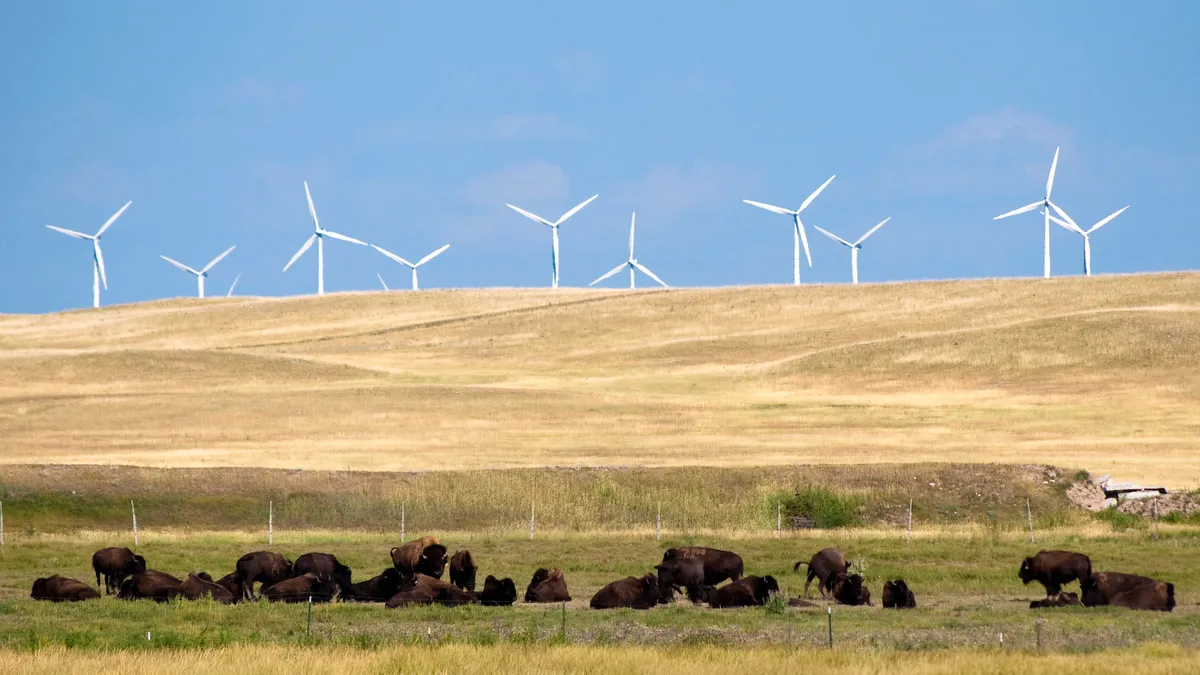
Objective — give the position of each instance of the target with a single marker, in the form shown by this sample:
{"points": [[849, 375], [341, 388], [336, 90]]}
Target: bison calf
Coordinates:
{"points": [[635, 592], [462, 570], [62, 589], [897, 596], [680, 573], [1052, 569]]}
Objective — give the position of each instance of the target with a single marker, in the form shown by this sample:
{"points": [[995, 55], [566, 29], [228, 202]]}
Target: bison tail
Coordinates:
{"points": [[796, 567]]}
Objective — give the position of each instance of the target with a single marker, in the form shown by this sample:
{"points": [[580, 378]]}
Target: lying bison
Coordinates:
{"points": [[323, 565], [681, 573], [848, 589], [264, 567], [421, 589], [200, 584], [897, 596], [547, 585], [421, 556], [718, 565], [745, 592], [1061, 600], [1127, 590], [232, 583], [462, 570], [825, 566], [636, 592], [1052, 569], [62, 589], [116, 564], [498, 592], [299, 589], [376, 589], [150, 585]]}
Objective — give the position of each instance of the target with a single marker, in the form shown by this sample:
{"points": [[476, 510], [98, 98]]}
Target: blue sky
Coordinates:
{"points": [[415, 123]]}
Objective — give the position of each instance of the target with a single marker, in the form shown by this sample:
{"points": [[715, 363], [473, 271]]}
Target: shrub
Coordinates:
{"points": [[1119, 520], [826, 509], [777, 604]]}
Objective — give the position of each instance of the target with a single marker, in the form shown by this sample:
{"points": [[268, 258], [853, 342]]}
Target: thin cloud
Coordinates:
{"points": [[668, 192], [509, 128], [536, 184]]}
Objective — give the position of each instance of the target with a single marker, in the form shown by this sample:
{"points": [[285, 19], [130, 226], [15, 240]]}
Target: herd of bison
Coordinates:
{"points": [[415, 578]]}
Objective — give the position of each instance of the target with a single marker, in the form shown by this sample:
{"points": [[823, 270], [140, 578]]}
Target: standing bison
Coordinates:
{"points": [[825, 566], [115, 565], [1052, 569], [323, 565], [462, 570], [421, 556], [264, 567], [1127, 590], [718, 565], [897, 596], [62, 589], [681, 573], [636, 592], [547, 585], [745, 592], [498, 592]]}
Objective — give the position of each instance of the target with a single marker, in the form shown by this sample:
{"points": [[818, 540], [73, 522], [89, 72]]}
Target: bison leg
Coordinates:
{"points": [[808, 582]]}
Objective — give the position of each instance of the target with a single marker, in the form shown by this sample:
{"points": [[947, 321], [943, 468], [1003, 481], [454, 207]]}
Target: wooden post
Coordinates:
{"points": [[271, 523], [1029, 517], [133, 512], [830, 612], [778, 520], [909, 540], [564, 621], [1, 523], [1155, 506], [657, 523], [531, 520], [1037, 628], [401, 522], [308, 629]]}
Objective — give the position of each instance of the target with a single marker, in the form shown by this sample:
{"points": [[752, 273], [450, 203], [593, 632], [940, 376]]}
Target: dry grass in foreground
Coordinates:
{"points": [[1094, 373], [1147, 660]]}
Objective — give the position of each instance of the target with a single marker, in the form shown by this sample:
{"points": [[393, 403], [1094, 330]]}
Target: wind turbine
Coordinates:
{"points": [[380, 276], [229, 294], [553, 233], [1046, 204], [632, 263], [1087, 236], [319, 237], [798, 235], [98, 274], [853, 247], [402, 261], [201, 274]]}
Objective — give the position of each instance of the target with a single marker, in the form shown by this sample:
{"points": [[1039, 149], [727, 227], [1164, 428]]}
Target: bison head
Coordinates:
{"points": [[1026, 574], [39, 589], [139, 564], [432, 561], [768, 586], [649, 595], [670, 554]]}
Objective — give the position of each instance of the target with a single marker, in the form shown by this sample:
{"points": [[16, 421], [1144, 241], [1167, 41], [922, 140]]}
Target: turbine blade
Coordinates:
{"points": [[575, 210], [803, 239], [112, 220], [393, 256], [832, 236], [431, 256], [1064, 215], [871, 231], [1064, 224], [307, 245], [180, 265], [71, 233], [1106, 221], [233, 285], [773, 209], [1023, 209], [529, 215], [646, 270], [382, 281], [815, 193], [1050, 179], [611, 272], [100, 262], [312, 210], [217, 259], [335, 235], [632, 222]]}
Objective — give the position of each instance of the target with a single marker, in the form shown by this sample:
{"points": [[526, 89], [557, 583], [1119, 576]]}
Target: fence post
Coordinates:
{"points": [[778, 520], [531, 520], [1037, 628], [909, 540], [830, 613], [401, 522], [1029, 517], [1155, 523], [308, 629], [271, 523], [564, 621], [657, 523], [1, 523], [133, 512]]}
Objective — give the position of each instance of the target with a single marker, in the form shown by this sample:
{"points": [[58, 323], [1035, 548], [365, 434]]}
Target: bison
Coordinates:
{"points": [[462, 570], [849, 590], [1061, 600], [152, 585], [1158, 596], [1052, 569], [681, 573], [547, 585], [231, 583], [718, 565], [745, 592], [323, 564], [200, 584], [299, 589], [897, 596], [265, 567], [1126, 590], [421, 589], [376, 589], [62, 589], [636, 592], [116, 564], [498, 592], [824, 566], [421, 556]]}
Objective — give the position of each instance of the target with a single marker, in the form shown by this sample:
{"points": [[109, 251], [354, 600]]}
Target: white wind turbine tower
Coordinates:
{"points": [[319, 237], [414, 266], [632, 263], [202, 273], [1087, 236], [1047, 205], [854, 248], [553, 233], [229, 294], [98, 274], [798, 235]]}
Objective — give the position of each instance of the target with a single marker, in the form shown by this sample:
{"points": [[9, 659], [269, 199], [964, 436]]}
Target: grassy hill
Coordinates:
{"points": [[1094, 373]]}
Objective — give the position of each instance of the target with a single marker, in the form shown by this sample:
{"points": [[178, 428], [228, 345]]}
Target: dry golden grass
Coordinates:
{"points": [[1095, 373], [1150, 660]]}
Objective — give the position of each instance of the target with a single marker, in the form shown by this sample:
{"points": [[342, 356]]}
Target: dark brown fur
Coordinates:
{"points": [[1107, 588], [718, 565], [377, 589], [264, 567], [299, 589], [462, 570], [421, 556], [547, 585], [636, 592], [116, 564], [824, 566], [498, 592], [62, 589], [745, 592], [323, 565], [1052, 569], [897, 596], [199, 585], [681, 573], [849, 590], [1061, 600], [151, 585]]}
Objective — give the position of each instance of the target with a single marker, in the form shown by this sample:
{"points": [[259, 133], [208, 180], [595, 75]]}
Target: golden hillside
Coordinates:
{"points": [[1095, 373]]}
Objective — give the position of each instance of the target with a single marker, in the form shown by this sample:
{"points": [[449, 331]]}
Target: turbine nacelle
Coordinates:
{"points": [[799, 237], [553, 232], [98, 273]]}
